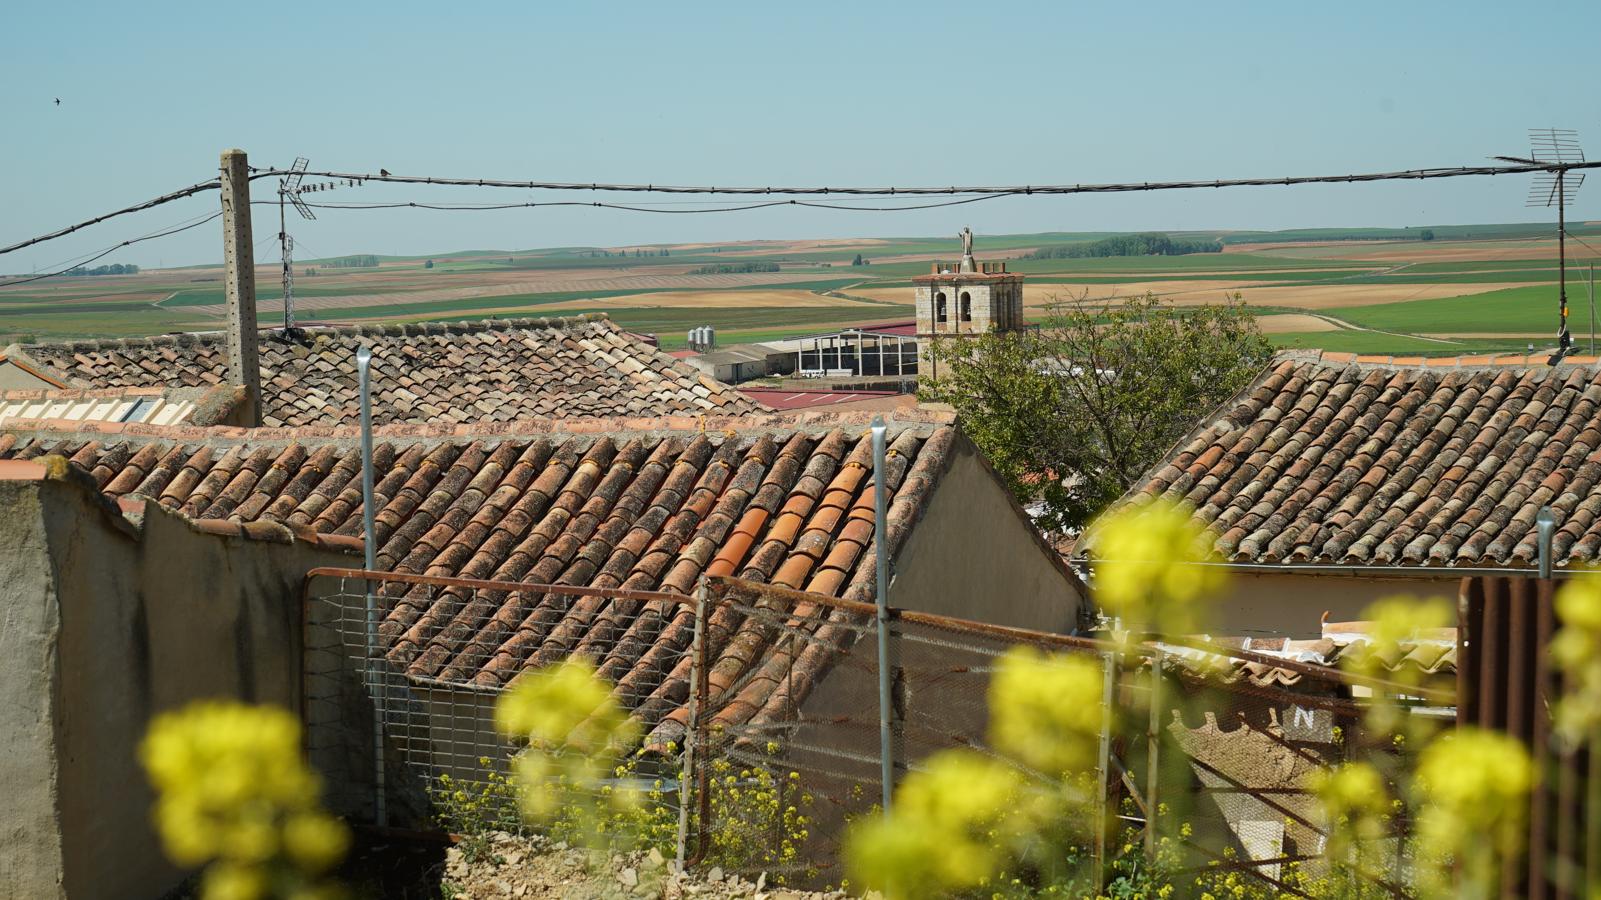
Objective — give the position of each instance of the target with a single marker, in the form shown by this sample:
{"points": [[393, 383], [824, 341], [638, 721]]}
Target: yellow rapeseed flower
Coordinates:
{"points": [[1045, 709], [1147, 574]]}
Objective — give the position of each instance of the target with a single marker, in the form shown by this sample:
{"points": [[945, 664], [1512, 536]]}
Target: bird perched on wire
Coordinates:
{"points": [[384, 172]]}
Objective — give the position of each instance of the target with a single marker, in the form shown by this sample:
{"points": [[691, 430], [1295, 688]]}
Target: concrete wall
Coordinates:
{"points": [[125, 624], [1293, 604]]}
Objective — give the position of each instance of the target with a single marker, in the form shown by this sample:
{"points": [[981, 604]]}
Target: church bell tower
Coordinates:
{"points": [[964, 299]]}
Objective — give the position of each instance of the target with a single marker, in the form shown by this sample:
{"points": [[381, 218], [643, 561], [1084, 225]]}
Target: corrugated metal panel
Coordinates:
{"points": [[1505, 683]]}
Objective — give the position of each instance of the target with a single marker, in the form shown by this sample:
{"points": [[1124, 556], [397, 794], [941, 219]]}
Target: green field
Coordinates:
{"points": [[1512, 310], [1375, 290]]}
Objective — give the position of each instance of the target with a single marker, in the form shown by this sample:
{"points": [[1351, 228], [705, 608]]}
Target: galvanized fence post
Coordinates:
{"points": [[1153, 750], [692, 733], [374, 667], [881, 544], [1104, 767]]}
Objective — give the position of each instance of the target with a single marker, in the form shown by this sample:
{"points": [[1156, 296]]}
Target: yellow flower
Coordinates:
{"points": [[232, 790], [227, 881], [1472, 785], [1046, 709], [1148, 573], [939, 839], [1576, 650], [315, 841]]}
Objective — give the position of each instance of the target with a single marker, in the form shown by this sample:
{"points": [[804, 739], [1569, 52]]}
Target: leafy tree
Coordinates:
{"points": [[1072, 412], [857, 261], [1427, 235], [428, 265]]}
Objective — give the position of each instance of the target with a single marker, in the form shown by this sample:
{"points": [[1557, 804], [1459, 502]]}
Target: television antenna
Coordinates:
{"points": [[289, 189], [1558, 149]]}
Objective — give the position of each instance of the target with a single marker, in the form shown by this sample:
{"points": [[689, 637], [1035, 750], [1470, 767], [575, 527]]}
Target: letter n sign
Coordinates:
{"points": [[1303, 724]]}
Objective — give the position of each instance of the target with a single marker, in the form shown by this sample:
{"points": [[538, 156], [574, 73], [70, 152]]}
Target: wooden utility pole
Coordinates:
{"points": [[239, 260]]}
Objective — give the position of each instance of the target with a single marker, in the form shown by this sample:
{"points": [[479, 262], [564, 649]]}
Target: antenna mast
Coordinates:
{"points": [[289, 189], [1558, 148]]}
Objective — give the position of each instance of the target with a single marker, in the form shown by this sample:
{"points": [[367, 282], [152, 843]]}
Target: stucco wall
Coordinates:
{"points": [[1292, 604], [973, 555], [14, 377], [146, 621], [30, 843]]}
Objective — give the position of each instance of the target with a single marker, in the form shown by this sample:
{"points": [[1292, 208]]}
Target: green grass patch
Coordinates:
{"points": [[1512, 310]]}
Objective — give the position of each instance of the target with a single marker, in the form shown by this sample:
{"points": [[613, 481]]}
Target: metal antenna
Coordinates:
{"points": [[1558, 148], [289, 189]]}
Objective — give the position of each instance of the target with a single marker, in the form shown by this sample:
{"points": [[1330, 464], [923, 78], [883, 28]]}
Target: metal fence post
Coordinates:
{"points": [[881, 544], [1153, 750], [375, 672], [692, 733], [1104, 767]]}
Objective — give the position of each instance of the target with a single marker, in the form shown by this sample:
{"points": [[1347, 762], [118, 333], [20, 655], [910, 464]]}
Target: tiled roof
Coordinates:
{"points": [[1336, 461], [157, 406], [1425, 658], [787, 398], [492, 371], [782, 501]]}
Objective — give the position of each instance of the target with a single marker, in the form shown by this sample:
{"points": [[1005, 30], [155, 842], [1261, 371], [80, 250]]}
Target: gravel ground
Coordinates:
{"points": [[531, 868]]}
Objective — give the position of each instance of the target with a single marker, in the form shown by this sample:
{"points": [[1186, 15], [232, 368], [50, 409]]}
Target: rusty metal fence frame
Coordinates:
{"points": [[432, 726]]}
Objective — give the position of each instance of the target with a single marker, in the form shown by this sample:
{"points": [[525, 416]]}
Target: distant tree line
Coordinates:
{"points": [[359, 261], [1303, 235], [113, 269], [1149, 244], [637, 252], [736, 268]]}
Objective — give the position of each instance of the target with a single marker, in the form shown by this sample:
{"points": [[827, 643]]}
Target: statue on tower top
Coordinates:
{"points": [[966, 235]]}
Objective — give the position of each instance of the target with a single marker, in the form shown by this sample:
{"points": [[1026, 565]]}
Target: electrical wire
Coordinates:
{"points": [[1011, 190], [480, 207], [110, 250], [1404, 175], [179, 194]]}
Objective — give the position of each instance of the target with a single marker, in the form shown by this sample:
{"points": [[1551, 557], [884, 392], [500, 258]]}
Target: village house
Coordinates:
{"points": [[497, 370], [1334, 480], [646, 504]]}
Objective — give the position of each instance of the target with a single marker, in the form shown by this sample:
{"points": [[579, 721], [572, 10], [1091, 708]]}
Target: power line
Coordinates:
{"points": [[1025, 190], [1011, 190], [189, 191], [111, 250], [484, 207]]}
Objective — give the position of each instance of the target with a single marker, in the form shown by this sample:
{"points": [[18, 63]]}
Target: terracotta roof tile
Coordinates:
{"points": [[1329, 460], [643, 510], [493, 371]]}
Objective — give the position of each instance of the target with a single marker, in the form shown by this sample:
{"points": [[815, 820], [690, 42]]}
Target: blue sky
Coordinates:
{"points": [[817, 93]]}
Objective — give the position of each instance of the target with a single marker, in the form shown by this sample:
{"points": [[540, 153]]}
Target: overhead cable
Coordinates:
{"points": [[993, 191], [110, 250], [1023, 190]]}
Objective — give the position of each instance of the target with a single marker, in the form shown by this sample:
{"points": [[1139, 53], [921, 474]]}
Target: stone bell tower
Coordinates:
{"points": [[964, 299]]}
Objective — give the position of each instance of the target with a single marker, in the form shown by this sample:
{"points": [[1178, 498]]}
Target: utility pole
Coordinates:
{"points": [[239, 281], [1592, 309]]}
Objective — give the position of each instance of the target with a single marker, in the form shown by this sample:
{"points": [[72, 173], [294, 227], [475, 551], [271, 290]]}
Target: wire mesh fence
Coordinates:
{"points": [[403, 674], [761, 707]]}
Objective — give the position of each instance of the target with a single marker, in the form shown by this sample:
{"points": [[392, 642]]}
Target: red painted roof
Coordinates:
{"points": [[787, 398]]}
